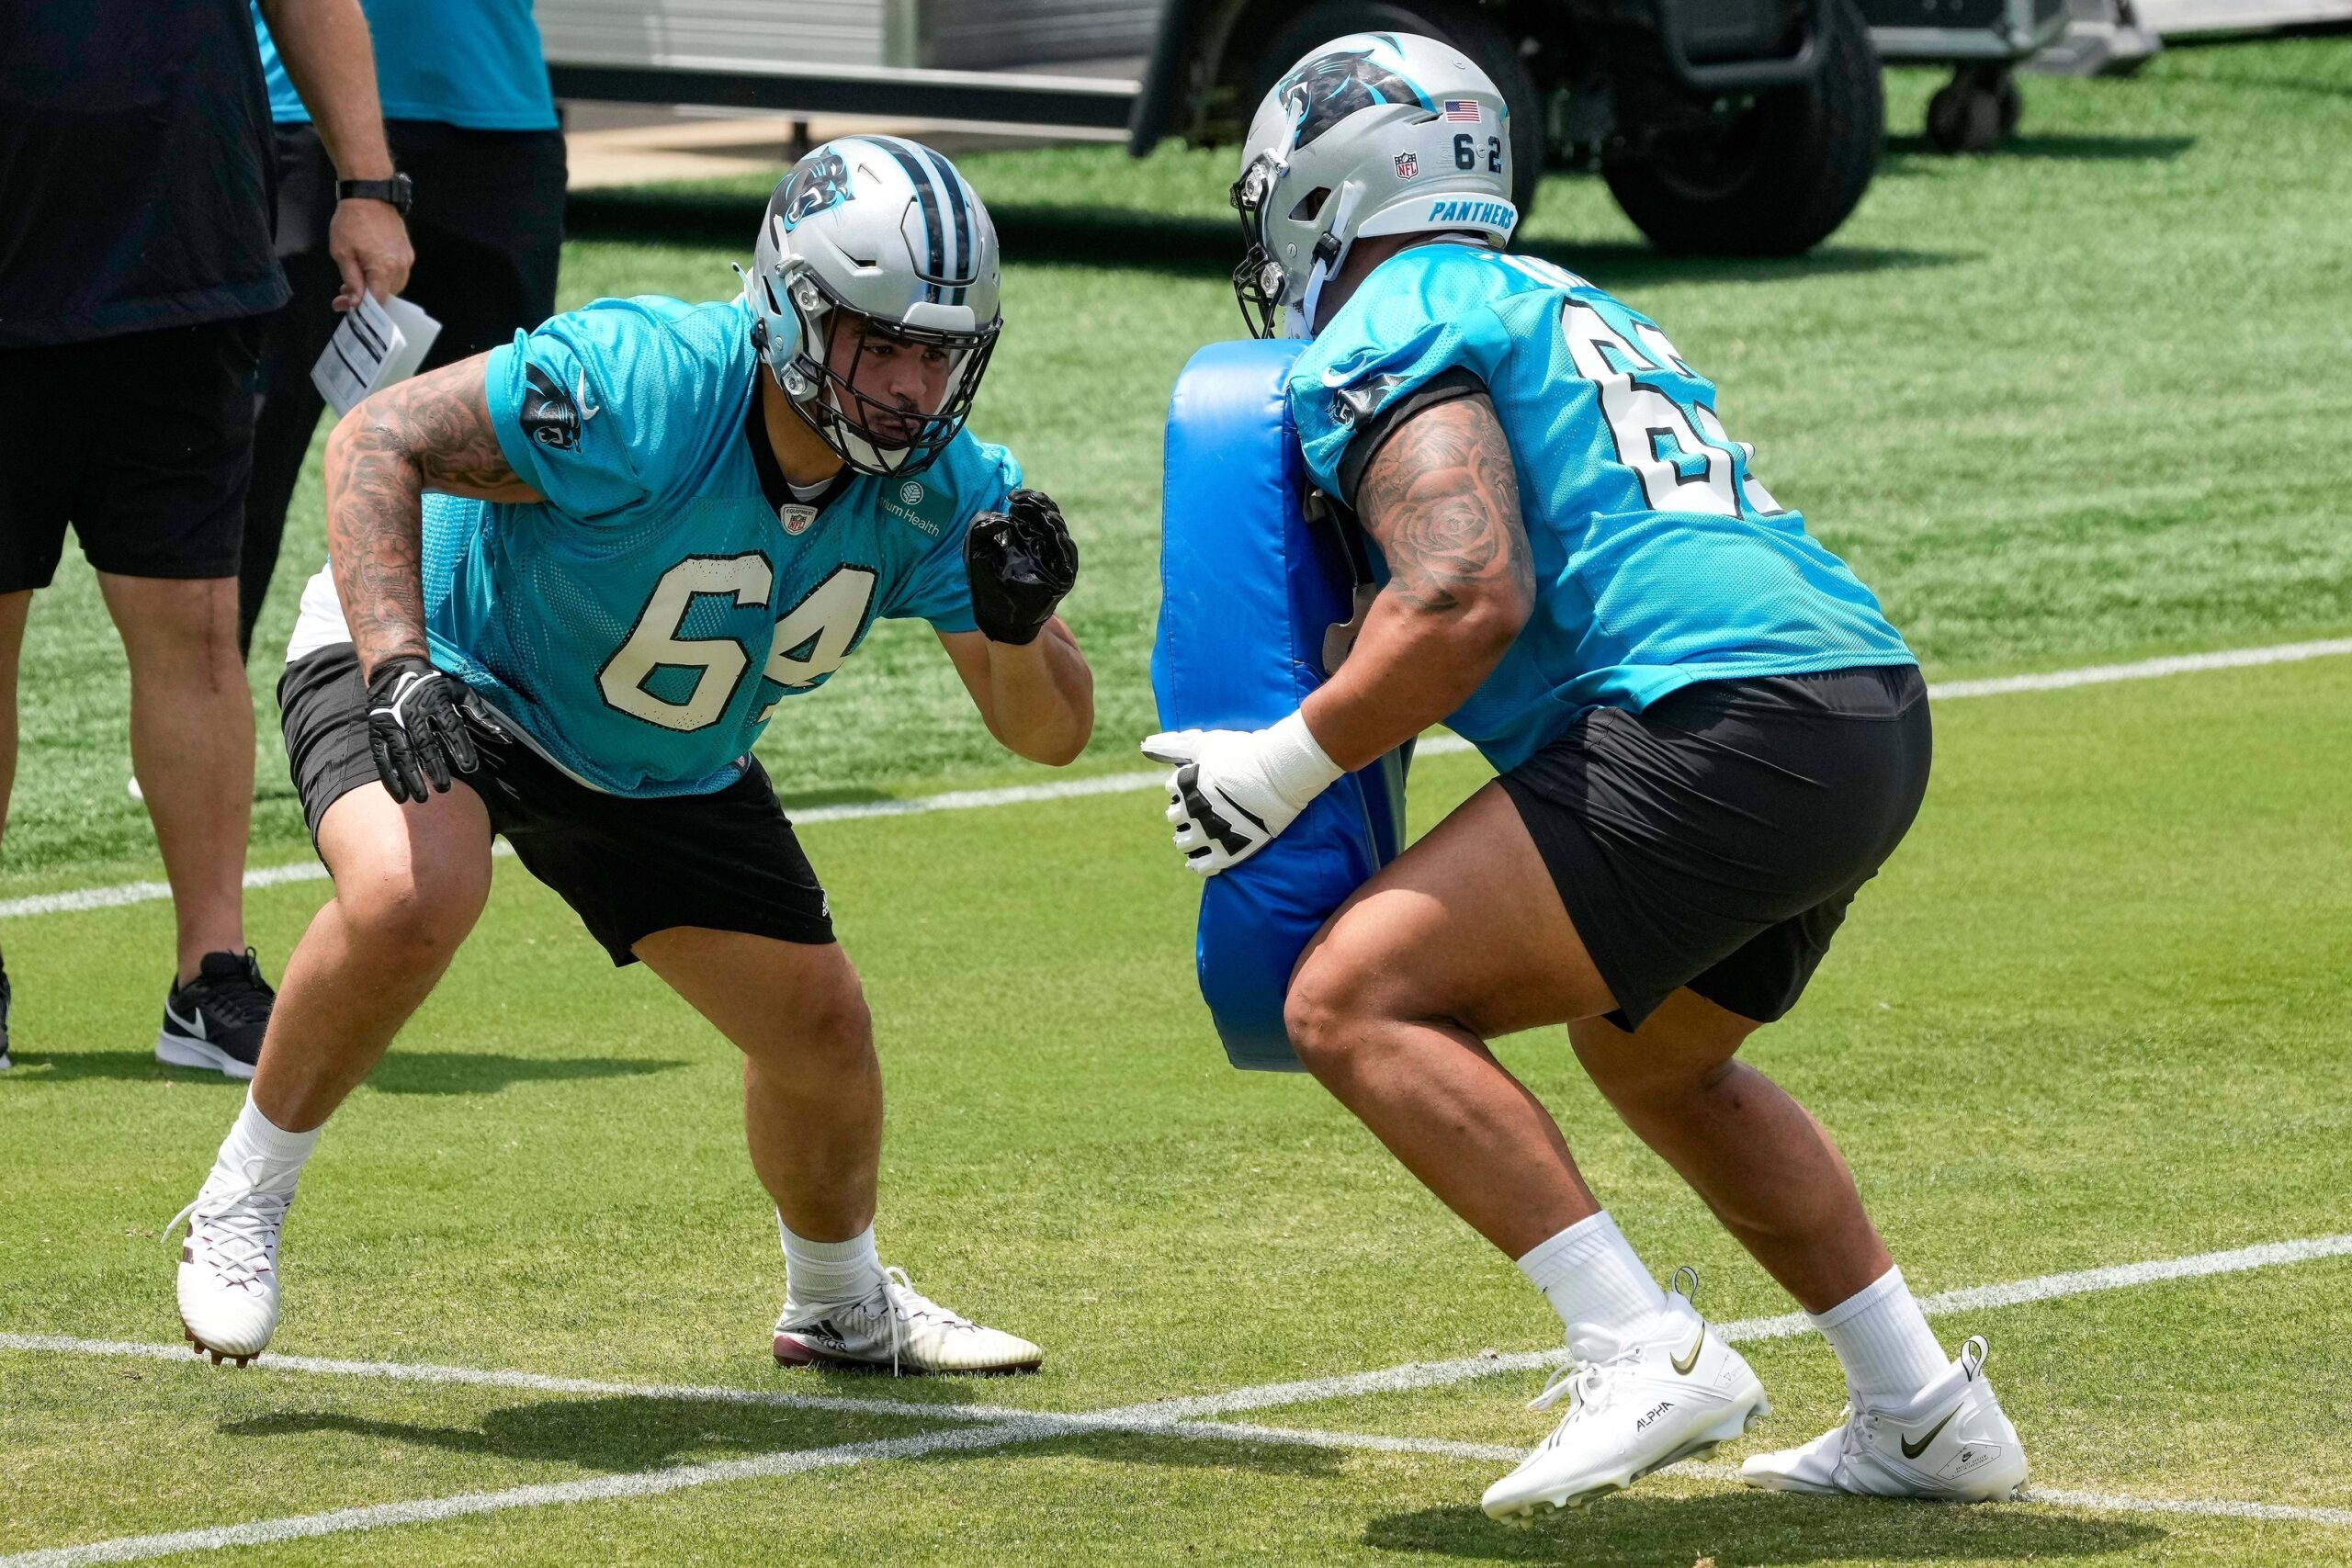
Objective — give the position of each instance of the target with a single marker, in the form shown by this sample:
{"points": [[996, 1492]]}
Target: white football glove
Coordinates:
{"points": [[1234, 790]]}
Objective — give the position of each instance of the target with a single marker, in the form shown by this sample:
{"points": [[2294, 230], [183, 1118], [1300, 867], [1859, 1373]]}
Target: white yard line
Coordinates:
{"points": [[990, 1427], [1262, 1396], [75, 900], [2046, 1287], [1017, 1431], [597, 1489], [535, 1382]]}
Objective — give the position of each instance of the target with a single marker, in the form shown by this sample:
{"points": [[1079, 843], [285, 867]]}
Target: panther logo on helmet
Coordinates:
{"points": [[1330, 88], [817, 183]]}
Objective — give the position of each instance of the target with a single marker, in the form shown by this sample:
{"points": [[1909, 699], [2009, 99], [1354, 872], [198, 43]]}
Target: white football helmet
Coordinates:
{"points": [[1375, 133], [885, 229]]}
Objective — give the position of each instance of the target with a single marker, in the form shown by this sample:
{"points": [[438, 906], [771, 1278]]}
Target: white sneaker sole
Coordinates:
{"points": [[1578, 1497], [233, 1358], [791, 1350], [180, 1051], [2006, 1492]]}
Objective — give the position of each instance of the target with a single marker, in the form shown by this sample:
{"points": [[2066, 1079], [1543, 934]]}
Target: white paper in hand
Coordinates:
{"points": [[376, 344]]}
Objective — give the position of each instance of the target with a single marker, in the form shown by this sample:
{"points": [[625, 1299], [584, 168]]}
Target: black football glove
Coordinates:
{"points": [[1021, 560], [417, 725]]}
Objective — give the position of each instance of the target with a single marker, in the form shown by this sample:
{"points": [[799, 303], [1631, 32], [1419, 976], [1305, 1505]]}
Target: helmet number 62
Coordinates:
{"points": [[1465, 153]]}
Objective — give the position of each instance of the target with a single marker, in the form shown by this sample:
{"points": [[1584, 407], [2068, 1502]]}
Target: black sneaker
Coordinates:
{"points": [[216, 1020], [5, 1000]]}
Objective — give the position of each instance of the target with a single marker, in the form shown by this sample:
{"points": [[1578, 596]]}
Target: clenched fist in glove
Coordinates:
{"points": [[417, 719], [1234, 790], [1021, 561]]}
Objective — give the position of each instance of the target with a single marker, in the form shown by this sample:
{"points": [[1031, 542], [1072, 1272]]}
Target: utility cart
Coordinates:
{"points": [[1985, 41]]}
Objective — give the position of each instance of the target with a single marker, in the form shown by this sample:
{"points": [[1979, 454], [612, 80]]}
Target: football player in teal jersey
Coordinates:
{"points": [[570, 581], [1708, 737]]}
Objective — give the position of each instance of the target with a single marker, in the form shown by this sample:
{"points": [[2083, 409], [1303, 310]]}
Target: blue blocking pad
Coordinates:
{"points": [[1250, 587]]}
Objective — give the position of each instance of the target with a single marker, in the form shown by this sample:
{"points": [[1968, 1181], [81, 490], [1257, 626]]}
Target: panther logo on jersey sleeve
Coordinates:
{"points": [[550, 415]]}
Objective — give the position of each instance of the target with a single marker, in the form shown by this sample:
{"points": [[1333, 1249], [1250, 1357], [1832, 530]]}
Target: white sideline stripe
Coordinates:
{"points": [[2046, 1287], [537, 1382], [1192, 1408], [75, 900], [603, 1488], [2143, 669], [1020, 1429], [998, 1426]]}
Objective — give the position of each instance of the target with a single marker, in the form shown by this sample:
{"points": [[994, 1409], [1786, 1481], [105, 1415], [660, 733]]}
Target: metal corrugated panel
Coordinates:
{"points": [[973, 35], [651, 32]]}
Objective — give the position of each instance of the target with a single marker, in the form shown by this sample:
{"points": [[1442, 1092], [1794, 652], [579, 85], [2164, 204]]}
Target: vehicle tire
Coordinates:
{"points": [[1771, 174], [1972, 113], [1473, 31]]}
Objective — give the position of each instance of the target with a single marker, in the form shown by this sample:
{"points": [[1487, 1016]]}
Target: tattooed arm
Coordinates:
{"points": [[432, 433], [1442, 501]]}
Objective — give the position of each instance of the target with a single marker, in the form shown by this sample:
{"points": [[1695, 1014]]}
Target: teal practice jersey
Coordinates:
{"points": [[641, 625], [1659, 558]]}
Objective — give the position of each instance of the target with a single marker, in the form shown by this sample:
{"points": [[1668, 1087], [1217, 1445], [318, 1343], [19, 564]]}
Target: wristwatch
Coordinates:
{"points": [[398, 190]]}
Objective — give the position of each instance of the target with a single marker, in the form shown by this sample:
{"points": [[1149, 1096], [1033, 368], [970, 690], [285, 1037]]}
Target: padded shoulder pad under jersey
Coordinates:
{"points": [[1250, 589]]}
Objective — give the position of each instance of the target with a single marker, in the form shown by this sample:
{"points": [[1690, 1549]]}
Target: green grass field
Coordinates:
{"points": [[2076, 403]]}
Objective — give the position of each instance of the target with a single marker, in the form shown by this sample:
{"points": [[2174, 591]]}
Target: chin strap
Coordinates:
{"points": [[1330, 255]]}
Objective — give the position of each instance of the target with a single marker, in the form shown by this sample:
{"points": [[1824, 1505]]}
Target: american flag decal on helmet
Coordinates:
{"points": [[1461, 112]]}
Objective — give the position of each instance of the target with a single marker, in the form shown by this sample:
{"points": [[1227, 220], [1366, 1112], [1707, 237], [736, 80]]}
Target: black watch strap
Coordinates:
{"points": [[398, 190]]}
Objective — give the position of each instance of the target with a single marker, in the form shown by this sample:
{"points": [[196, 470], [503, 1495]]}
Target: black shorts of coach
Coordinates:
{"points": [[1715, 838], [141, 442], [728, 860]]}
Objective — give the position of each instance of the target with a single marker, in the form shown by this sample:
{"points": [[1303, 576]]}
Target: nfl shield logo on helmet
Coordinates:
{"points": [[1409, 165]]}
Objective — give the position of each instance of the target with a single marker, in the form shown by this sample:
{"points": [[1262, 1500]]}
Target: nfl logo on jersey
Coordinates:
{"points": [[1409, 165], [795, 519]]}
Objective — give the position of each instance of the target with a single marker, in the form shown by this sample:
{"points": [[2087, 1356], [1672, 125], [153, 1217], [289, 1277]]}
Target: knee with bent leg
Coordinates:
{"points": [[1325, 1011], [829, 1035], [411, 916]]}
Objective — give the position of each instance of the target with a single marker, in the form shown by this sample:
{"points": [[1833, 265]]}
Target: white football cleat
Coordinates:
{"points": [[1951, 1443], [896, 1328], [1671, 1394], [228, 1280]]}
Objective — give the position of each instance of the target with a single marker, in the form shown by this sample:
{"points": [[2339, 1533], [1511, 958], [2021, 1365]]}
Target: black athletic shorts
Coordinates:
{"points": [[143, 443], [725, 862], [1714, 840]]}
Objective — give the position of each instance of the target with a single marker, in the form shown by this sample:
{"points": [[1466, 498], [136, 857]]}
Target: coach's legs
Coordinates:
{"points": [[1765, 1168], [410, 881], [192, 746], [13, 608], [812, 1084]]}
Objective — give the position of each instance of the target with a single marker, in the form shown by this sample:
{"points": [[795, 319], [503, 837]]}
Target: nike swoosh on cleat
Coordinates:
{"points": [[1682, 1364], [1913, 1450]]}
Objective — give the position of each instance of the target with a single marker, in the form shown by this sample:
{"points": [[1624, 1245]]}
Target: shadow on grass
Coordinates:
{"points": [[1177, 246], [401, 1072], [2055, 148], [617, 1436], [1759, 1528]]}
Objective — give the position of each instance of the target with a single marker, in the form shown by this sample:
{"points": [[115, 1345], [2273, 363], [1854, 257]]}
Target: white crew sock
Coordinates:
{"points": [[1884, 1341], [1594, 1280], [828, 1272], [259, 1151]]}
